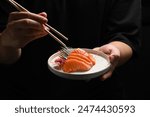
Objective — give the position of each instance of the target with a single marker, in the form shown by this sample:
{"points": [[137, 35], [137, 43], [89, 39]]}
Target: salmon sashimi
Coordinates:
{"points": [[78, 60], [73, 65]]}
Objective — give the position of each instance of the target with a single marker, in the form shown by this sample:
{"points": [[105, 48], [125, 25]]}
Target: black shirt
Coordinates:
{"points": [[87, 24]]}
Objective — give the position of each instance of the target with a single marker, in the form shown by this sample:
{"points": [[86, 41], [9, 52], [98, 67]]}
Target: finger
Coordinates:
{"points": [[21, 15], [36, 35], [106, 76], [44, 14], [26, 24], [103, 49], [96, 48], [28, 37], [114, 59]]}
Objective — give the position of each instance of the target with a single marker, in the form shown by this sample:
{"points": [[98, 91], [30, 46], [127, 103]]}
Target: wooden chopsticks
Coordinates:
{"points": [[21, 8]]}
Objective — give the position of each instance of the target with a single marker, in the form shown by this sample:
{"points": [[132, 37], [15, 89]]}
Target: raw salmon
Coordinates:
{"points": [[78, 60]]}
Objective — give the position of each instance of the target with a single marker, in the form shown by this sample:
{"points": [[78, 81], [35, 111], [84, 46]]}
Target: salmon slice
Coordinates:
{"points": [[81, 58], [84, 54], [78, 60], [80, 51], [92, 59], [74, 65]]}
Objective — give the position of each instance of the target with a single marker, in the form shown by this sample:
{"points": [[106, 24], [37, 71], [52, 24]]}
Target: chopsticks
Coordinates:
{"points": [[21, 8]]}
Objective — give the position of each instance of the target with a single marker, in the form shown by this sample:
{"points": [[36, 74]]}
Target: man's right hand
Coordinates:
{"points": [[22, 28]]}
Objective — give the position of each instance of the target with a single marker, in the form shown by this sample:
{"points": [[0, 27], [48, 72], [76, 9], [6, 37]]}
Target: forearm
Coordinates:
{"points": [[125, 51], [8, 55]]}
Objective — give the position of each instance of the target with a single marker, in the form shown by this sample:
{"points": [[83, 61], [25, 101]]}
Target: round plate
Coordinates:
{"points": [[102, 65]]}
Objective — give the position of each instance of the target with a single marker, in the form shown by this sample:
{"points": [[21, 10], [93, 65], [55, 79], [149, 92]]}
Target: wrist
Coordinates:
{"points": [[8, 55]]}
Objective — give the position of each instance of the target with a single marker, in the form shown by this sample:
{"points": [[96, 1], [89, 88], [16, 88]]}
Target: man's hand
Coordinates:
{"points": [[22, 28], [114, 56], [118, 53]]}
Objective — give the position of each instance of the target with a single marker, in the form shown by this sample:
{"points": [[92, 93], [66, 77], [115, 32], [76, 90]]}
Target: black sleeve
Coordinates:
{"points": [[125, 23]]}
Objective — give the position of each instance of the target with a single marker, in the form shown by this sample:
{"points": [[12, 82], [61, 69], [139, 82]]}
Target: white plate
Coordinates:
{"points": [[102, 65]]}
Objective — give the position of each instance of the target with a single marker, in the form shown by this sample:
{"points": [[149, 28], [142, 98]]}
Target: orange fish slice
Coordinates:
{"points": [[78, 60]]}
